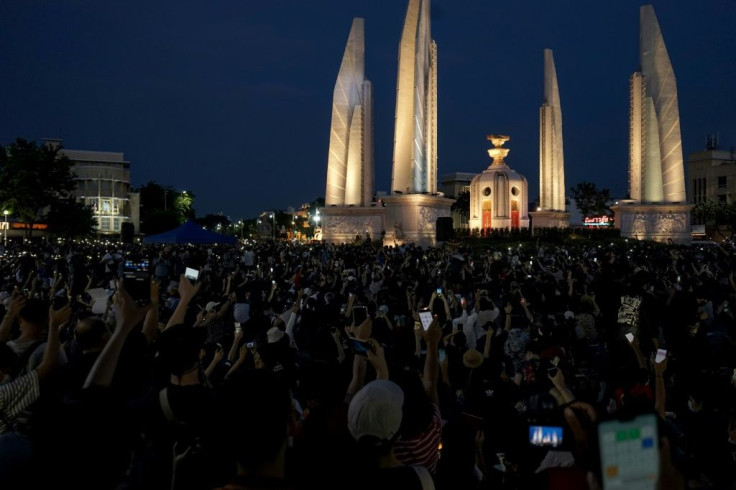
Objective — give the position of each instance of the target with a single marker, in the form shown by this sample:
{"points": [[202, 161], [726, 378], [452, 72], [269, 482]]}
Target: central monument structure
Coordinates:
{"points": [[414, 204], [349, 209], [657, 208], [552, 210]]}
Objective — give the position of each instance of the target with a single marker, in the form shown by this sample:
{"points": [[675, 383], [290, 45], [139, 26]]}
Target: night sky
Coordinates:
{"points": [[231, 100]]}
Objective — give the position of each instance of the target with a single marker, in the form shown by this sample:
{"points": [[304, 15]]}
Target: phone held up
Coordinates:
{"points": [[426, 318], [360, 313], [361, 347], [137, 279], [629, 451], [192, 275]]}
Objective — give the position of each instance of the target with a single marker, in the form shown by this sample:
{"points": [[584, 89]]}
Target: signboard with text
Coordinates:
{"points": [[598, 221]]}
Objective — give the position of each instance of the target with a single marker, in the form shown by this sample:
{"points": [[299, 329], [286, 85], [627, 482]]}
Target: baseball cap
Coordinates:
{"points": [[211, 305], [472, 358], [375, 411], [274, 334]]}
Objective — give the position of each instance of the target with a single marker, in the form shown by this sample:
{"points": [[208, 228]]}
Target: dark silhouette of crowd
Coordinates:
{"points": [[308, 365]]}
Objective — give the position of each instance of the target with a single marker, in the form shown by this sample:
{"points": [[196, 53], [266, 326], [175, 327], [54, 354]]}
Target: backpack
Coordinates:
{"points": [[190, 458]]}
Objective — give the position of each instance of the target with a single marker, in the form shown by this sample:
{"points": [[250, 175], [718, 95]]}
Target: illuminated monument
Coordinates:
{"points": [[657, 208], [499, 195], [414, 204], [349, 210], [551, 212]]}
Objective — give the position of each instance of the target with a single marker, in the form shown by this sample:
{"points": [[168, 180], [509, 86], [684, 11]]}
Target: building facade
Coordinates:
{"points": [[452, 185], [712, 175], [103, 183]]}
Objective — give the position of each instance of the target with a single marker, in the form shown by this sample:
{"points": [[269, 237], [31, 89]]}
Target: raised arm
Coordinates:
{"points": [[187, 291], [431, 361], [50, 360], [17, 302], [659, 387], [127, 315], [150, 323]]}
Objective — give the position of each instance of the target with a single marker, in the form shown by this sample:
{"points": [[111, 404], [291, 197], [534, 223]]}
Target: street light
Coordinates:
{"points": [[5, 228], [273, 226]]}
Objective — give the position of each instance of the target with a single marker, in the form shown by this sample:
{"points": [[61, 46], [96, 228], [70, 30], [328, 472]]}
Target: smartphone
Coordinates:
{"points": [[191, 274], [137, 279], [629, 452], [361, 347], [360, 313], [661, 355], [250, 345], [60, 301], [545, 435], [439, 291], [238, 328], [426, 318], [630, 337]]}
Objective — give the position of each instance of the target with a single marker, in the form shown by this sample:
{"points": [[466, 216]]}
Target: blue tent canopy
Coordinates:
{"points": [[189, 232]]}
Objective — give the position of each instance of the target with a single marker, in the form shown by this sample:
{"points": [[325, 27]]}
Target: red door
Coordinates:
{"points": [[514, 214], [487, 215]]}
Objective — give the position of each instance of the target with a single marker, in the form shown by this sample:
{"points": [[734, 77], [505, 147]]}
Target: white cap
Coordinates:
{"points": [[274, 334], [211, 305], [375, 410]]}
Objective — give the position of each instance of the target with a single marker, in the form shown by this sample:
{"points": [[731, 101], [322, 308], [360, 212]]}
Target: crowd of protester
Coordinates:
{"points": [[306, 365]]}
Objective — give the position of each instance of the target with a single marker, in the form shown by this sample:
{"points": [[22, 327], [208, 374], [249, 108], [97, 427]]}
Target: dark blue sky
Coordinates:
{"points": [[232, 99]]}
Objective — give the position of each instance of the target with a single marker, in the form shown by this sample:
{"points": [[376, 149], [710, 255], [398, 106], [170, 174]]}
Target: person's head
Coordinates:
{"points": [[91, 333], [179, 349], [258, 406], [375, 414], [33, 319]]}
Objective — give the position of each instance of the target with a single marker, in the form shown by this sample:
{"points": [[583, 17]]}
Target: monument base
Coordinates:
{"points": [[549, 219], [348, 224], [660, 222], [412, 218]]}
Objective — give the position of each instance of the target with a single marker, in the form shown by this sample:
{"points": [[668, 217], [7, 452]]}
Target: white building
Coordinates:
{"points": [[103, 183], [499, 196]]}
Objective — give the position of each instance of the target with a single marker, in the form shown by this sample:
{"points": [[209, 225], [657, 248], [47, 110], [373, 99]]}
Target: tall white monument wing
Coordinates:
{"points": [[551, 153], [661, 87], [350, 150], [415, 133]]}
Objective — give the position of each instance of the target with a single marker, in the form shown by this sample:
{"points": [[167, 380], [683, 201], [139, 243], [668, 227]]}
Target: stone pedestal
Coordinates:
{"points": [[343, 224], [660, 222], [549, 219], [412, 218]]}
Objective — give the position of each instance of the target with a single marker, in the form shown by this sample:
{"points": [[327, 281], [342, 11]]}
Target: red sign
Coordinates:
{"points": [[597, 221], [25, 226]]}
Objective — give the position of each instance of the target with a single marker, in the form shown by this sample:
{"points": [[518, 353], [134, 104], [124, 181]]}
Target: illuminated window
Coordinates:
{"points": [[105, 224]]}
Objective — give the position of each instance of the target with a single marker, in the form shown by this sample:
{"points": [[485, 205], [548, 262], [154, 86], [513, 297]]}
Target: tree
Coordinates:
{"points": [[163, 207], [720, 214], [462, 205], [33, 179], [590, 200], [71, 219], [211, 222]]}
